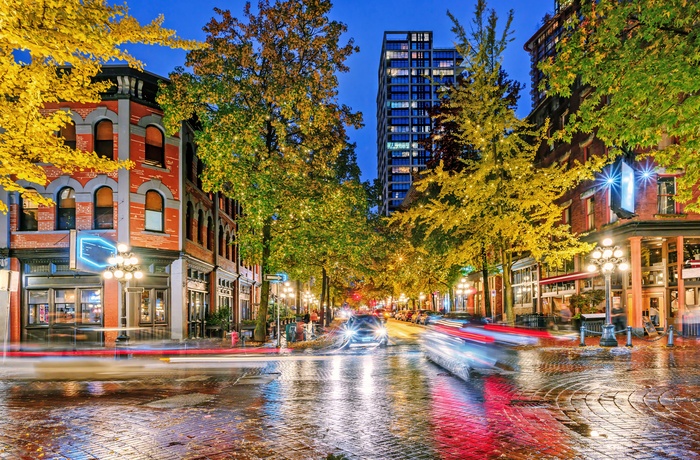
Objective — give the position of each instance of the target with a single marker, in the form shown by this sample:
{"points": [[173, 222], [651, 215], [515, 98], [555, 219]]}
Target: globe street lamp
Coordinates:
{"points": [[608, 258], [124, 267], [462, 291]]}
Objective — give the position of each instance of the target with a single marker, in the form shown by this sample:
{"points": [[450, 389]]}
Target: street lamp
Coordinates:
{"points": [[123, 266], [421, 298], [607, 258]]}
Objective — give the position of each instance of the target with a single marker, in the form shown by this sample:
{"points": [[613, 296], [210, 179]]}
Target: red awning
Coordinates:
{"points": [[568, 277]]}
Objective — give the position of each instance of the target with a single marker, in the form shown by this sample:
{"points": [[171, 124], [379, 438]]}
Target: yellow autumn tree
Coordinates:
{"points": [[49, 52]]}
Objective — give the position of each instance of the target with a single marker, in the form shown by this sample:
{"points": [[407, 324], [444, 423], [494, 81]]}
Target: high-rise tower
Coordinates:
{"points": [[410, 73]]}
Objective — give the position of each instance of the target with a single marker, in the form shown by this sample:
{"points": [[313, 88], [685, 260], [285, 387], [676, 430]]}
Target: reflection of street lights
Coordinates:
{"points": [[607, 258], [421, 297], [124, 266]]}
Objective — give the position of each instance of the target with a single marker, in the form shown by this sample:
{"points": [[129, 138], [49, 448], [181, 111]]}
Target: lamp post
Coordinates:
{"points": [[607, 258], [124, 267]]}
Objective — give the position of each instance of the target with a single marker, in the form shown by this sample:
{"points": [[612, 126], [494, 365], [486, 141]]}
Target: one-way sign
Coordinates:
{"points": [[273, 278]]}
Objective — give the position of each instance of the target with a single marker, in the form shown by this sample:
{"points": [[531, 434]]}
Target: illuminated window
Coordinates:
{"points": [[104, 209], [155, 146], [154, 211], [68, 135], [590, 213], [667, 195], [104, 139]]}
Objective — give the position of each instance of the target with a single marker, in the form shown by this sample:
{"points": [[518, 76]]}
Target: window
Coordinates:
{"points": [[68, 135], [154, 211], [188, 222], [28, 215], [590, 213], [90, 307], [104, 209], [189, 158], [38, 308], [210, 234], [64, 304], [566, 216], [155, 146], [228, 246], [221, 241], [667, 195], [104, 139], [153, 307], [66, 209], [200, 171], [200, 227]]}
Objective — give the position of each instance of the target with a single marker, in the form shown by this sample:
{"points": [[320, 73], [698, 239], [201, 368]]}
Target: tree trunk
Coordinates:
{"points": [[485, 284], [260, 334], [324, 289], [506, 263]]}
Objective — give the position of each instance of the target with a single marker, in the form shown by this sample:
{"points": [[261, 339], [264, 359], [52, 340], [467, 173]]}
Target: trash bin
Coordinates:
{"points": [[290, 331]]}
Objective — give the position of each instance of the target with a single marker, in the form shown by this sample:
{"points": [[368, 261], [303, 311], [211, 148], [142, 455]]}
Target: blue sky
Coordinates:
{"points": [[366, 20]]}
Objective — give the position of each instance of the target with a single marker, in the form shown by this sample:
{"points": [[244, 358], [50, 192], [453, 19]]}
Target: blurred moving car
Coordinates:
{"points": [[466, 318], [430, 316], [382, 314], [365, 330]]}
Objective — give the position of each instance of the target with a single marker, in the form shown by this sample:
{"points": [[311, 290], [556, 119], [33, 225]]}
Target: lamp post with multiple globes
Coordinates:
{"points": [[124, 267], [608, 258], [462, 289]]}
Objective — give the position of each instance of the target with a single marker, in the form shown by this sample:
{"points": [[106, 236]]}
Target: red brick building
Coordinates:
{"points": [[632, 202], [181, 235]]}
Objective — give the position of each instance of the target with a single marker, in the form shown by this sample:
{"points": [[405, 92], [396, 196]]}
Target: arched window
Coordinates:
{"points": [[65, 206], [200, 171], [28, 215], [200, 227], [228, 246], [221, 241], [104, 208], [154, 211], [104, 139], [68, 135], [188, 222], [210, 234], [155, 146], [189, 163]]}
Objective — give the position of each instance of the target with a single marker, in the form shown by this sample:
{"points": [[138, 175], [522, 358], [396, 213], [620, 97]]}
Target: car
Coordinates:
{"points": [[416, 318], [466, 318], [365, 330], [430, 316], [382, 314], [408, 314], [400, 315]]}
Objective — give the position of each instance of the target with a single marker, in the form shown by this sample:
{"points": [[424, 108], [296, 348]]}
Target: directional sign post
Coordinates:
{"points": [[274, 277]]}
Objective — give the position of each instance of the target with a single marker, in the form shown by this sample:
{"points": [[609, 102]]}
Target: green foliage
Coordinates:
{"points": [[586, 302], [641, 58], [38, 41], [500, 200], [220, 317], [264, 94]]}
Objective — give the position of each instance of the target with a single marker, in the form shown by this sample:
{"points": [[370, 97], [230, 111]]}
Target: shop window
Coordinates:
{"points": [[64, 305], [90, 306], [154, 211], [590, 213], [38, 307], [28, 214], [200, 227], [66, 209], [155, 146], [666, 198], [104, 139], [153, 307], [68, 135], [104, 209]]}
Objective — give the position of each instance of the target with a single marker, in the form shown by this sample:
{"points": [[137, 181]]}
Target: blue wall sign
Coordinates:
{"points": [[91, 252]]}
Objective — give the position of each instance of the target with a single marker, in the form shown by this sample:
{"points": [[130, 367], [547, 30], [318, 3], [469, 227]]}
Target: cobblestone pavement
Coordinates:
{"points": [[564, 401]]}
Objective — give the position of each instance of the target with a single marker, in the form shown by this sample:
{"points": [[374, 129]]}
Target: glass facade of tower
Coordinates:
{"points": [[410, 75]]}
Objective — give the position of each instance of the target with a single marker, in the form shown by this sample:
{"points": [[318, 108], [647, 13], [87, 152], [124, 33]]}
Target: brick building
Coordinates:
{"points": [[632, 202], [181, 235]]}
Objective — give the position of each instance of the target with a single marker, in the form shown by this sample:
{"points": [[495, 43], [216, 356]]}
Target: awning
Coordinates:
{"points": [[568, 277]]}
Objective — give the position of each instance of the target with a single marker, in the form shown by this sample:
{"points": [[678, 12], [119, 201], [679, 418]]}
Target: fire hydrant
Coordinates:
{"points": [[234, 338]]}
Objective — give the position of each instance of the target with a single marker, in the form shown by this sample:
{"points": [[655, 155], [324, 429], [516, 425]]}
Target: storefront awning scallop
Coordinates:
{"points": [[568, 277]]}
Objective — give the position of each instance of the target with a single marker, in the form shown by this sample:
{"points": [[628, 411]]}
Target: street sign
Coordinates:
{"points": [[274, 277]]}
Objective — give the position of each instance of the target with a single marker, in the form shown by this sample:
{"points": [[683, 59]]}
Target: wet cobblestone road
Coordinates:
{"points": [[564, 402]]}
